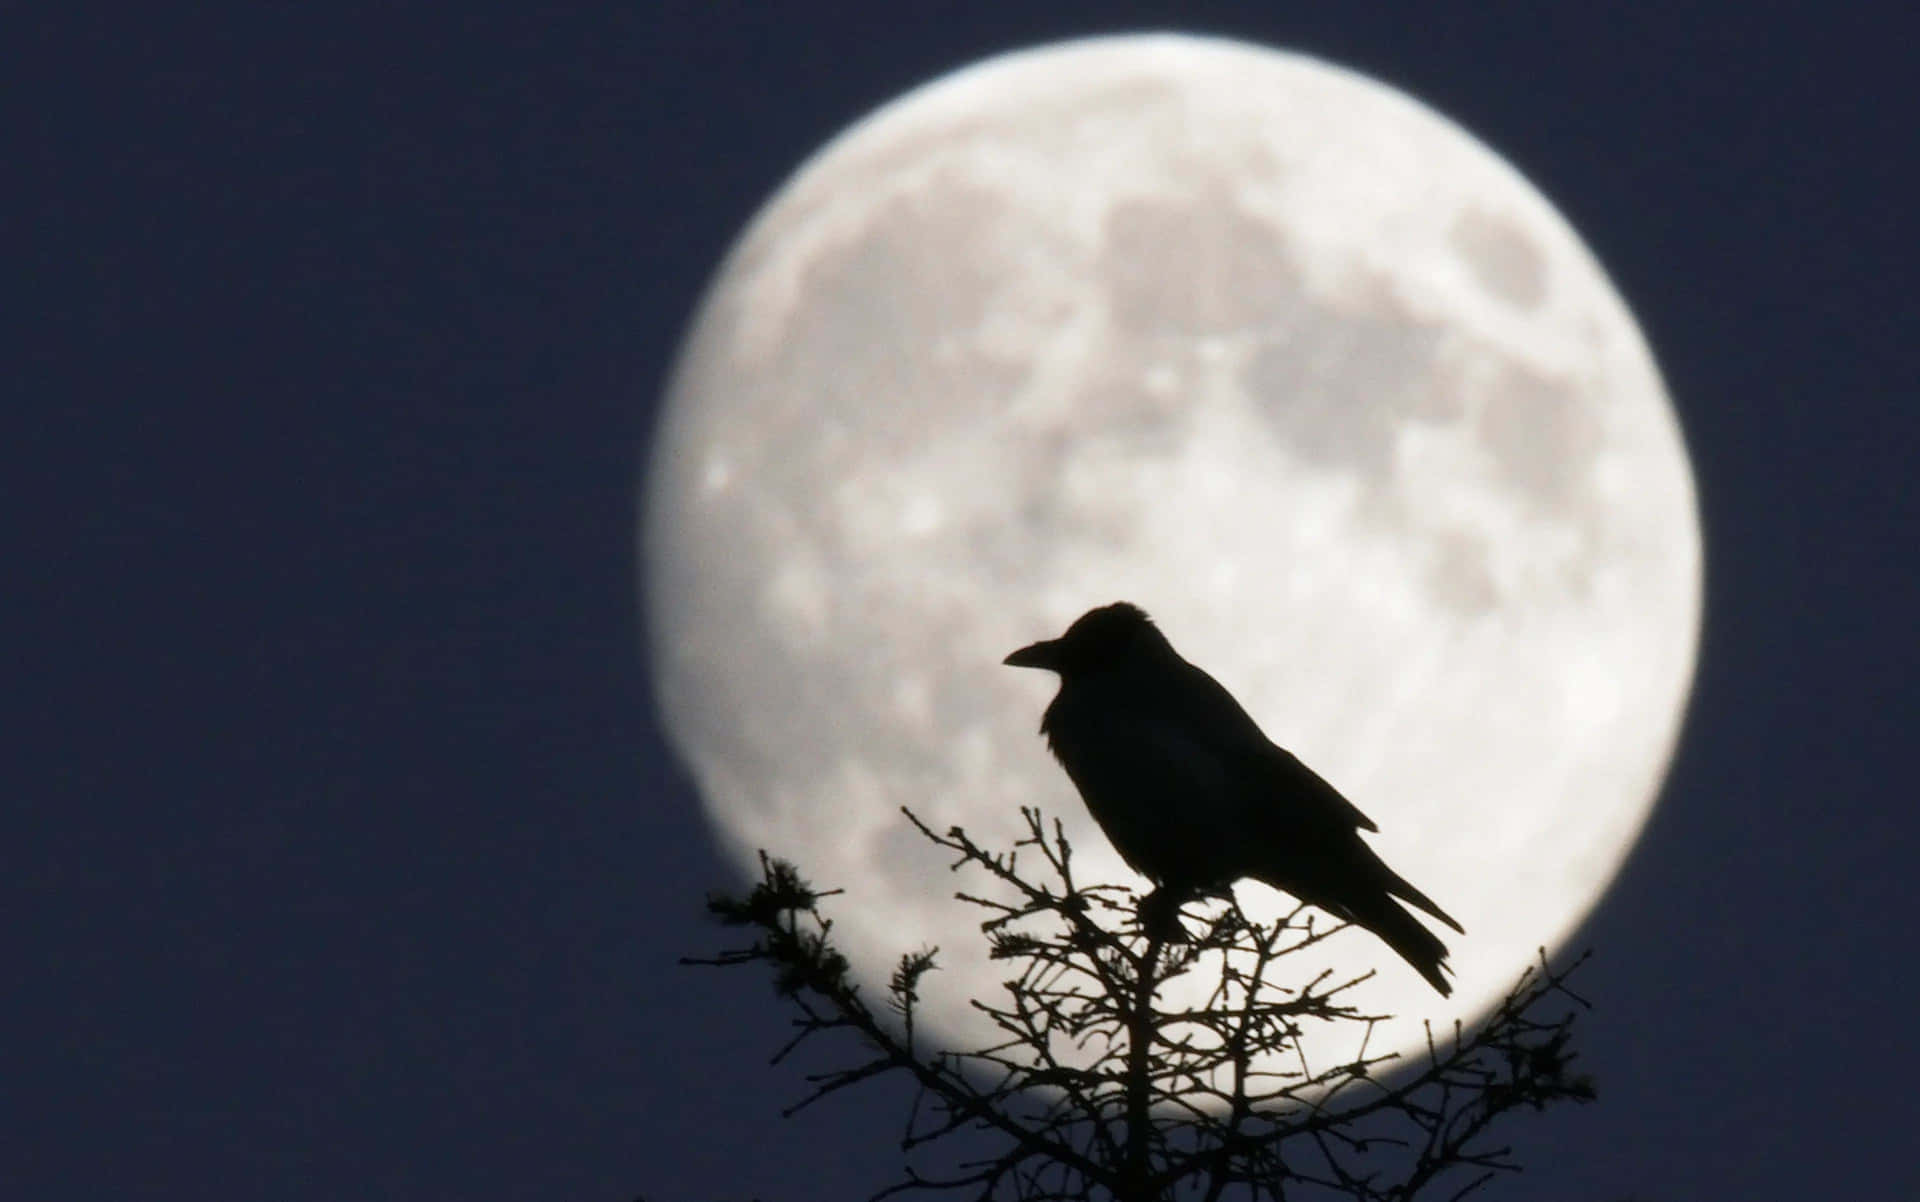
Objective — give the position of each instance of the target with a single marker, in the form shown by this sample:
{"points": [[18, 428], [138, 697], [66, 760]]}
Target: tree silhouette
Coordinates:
{"points": [[1097, 1090]]}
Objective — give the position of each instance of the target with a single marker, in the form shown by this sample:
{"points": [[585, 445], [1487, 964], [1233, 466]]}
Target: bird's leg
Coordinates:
{"points": [[1160, 914]]}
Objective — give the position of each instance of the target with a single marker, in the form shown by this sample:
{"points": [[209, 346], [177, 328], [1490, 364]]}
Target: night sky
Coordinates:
{"points": [[345, 861]]}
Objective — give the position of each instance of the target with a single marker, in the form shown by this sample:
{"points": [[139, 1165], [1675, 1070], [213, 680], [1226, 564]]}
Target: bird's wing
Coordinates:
{"points": [[1215, 717], [1307, 789]]}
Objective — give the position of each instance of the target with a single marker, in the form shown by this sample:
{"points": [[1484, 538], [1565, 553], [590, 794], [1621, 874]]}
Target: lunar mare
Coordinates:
{"points": [[1252, 341]]}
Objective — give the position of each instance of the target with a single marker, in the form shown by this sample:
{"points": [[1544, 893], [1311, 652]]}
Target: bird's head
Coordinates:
{"points": [[1099, 638]]}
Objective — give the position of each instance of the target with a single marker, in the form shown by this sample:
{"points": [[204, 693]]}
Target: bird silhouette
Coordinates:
{"points": [[1194, 796]]}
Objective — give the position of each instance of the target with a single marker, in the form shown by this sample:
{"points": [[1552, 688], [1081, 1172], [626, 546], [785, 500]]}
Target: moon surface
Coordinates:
{"points": [[1255, 342]]}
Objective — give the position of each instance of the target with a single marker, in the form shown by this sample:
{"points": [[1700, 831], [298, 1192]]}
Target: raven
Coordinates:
{"points": [[1195, 797]]}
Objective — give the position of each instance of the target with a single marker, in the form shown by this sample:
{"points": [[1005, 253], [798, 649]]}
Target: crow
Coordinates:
{"points": [[1194, 796]]}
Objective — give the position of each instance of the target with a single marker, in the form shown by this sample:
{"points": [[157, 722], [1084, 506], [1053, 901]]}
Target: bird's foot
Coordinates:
{"points": [[1160, 914]]}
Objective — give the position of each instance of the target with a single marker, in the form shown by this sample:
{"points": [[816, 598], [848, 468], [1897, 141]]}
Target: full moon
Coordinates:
{"points": [[1257, 343]]}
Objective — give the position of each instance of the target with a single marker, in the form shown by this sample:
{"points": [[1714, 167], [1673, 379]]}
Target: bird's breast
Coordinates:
{"points": [[1168, 802]]}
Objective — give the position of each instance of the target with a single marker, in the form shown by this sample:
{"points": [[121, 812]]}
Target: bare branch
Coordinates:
{"points": [[1095, 1089]]}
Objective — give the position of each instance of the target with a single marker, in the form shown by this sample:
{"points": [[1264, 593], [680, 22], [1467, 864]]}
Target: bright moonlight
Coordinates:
{"points": [[1252, 341]]}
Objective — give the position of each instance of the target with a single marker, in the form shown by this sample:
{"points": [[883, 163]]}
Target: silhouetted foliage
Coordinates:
{"points": [[1098, 1090]]}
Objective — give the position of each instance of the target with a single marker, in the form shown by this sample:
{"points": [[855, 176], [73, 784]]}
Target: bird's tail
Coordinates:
{"points": [[1406, 935], [1397, 885]]}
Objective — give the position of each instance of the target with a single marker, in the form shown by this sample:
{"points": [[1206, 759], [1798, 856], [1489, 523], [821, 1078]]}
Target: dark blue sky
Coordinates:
{"points": [[345, 862]]}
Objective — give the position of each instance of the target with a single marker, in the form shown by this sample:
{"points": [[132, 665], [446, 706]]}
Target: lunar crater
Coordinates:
{"points": [[1502, 258]]}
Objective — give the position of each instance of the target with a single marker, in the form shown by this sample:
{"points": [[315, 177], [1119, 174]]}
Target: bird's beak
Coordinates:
{"points": [[1034, 655]]}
